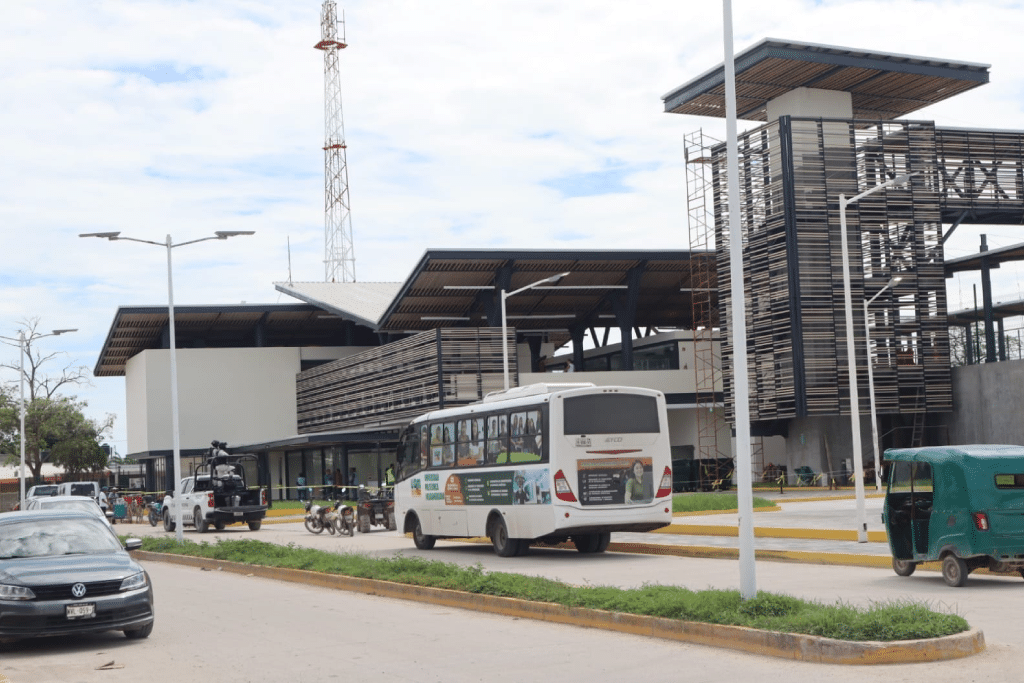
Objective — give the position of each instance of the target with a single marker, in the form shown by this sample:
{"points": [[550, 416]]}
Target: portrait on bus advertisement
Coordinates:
{"points": [[616, 481], [530, 487]]}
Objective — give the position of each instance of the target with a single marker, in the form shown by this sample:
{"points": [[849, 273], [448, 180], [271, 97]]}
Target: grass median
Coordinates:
{"points": [[711, 502], [884, 621]]}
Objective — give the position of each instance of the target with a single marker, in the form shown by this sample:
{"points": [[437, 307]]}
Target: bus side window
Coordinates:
{"points": [[449, 443], [436, 445], [424, 453]]}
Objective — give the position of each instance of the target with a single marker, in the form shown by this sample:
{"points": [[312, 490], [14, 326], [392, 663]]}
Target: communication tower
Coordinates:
{"points": [[339, 258]]}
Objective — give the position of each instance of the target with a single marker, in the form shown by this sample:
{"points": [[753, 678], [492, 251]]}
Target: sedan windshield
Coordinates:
{"points": [[56, 536], [86, 504]]}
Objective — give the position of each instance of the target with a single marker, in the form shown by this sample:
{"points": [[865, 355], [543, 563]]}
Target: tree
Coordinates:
{"points": [[52, 422]]}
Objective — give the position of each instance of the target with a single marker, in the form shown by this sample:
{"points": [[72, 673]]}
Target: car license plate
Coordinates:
{"points": [[239, 514], [81, 611]]}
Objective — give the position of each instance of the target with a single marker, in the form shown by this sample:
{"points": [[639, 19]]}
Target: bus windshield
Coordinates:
{"points": [[611, 414]]}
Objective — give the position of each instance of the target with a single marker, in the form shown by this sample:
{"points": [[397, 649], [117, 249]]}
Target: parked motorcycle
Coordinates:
{"points": [[153, 511], [342, 518], [316, 518]]}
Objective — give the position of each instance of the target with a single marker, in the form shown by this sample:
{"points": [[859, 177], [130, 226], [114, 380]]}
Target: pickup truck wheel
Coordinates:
{"points": [[219, 526], [168, 521], [255, 524], [199, 520], [422, 541]]}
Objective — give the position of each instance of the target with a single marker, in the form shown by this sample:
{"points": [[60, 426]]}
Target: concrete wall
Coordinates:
{"points": [[988, 403], [233, 395]]}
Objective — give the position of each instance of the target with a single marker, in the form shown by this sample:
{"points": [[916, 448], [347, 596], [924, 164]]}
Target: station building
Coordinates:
{"points": [[324, 386]]}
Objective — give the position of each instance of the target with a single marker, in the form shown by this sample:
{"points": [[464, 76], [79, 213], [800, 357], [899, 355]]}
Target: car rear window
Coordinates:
{"points": [[1010, 481]]}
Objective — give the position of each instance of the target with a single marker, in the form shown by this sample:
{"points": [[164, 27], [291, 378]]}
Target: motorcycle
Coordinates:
{"points": [[342, 518], [153, 511], [316, 518]]}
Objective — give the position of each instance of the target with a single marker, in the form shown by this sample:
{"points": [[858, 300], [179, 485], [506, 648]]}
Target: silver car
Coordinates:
{"points": [[64, 572], [81, 503]]}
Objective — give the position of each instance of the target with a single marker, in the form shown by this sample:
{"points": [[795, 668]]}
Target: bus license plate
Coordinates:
{"points": [[83, 611]]}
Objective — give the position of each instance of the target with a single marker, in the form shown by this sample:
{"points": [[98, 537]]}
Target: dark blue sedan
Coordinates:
{"points": [[64, 572]]}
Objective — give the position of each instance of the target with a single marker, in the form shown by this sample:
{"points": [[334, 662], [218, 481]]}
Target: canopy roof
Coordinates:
{"points": [[883, 85]]}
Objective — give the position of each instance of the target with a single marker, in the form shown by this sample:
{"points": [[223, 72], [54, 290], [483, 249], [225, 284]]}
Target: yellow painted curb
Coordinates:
{"points": [[765, 643], [771, 532]]}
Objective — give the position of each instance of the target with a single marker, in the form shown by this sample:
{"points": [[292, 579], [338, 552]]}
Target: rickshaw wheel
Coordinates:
{"points": [[954, 571], [903, 567]]}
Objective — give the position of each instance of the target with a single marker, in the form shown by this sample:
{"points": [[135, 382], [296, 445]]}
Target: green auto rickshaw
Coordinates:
{"points": [[961, 505]]}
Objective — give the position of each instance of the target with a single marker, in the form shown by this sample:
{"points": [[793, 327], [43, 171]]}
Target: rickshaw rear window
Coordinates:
{"points": [[1010, 481]]}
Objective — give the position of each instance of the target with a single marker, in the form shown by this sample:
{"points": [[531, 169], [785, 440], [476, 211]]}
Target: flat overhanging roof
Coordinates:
{"points": [[138, 328], [454, 288], [995, 257], [883, 85], [1000, 311]]}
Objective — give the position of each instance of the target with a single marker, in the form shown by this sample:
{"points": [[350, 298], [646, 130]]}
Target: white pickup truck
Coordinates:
{"points": [[217, 495]]}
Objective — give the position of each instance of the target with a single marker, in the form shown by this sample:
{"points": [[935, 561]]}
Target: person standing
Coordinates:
{"points": [[300, 483]]}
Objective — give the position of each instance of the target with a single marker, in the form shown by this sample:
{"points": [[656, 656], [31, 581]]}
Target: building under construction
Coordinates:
{"points": [[833, 126]]}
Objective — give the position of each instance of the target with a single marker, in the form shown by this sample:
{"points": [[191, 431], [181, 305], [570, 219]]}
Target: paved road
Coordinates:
{"points": [[271, 631]]}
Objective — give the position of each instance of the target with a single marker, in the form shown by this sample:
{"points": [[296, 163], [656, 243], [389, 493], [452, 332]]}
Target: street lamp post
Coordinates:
{"points": [[871, 382], [22, 345], [504, 324], [168, 244], [851, 358]]}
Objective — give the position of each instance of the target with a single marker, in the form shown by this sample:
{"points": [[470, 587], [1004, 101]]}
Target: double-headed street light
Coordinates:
{"points": [[219, 235], [22, 346], [871, 382], [504, 325], [851, 358]]}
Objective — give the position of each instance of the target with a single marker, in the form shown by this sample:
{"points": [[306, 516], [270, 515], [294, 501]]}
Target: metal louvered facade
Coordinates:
{"points": [[401, 380], [792, 172]]}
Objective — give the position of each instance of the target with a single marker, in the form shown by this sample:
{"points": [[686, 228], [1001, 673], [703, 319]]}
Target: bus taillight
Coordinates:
{"points": [[562, 489], [665, 489]]}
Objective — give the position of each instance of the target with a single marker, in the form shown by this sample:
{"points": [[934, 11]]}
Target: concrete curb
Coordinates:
{"points": [[766, 643], [771, 532]]}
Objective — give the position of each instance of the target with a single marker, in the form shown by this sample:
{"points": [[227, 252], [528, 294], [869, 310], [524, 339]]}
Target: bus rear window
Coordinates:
{"points": [[611, 414], [1010, 481]]}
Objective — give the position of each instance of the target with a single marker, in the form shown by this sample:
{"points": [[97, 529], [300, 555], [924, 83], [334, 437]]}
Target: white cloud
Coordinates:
{"points": [[462, 118]]}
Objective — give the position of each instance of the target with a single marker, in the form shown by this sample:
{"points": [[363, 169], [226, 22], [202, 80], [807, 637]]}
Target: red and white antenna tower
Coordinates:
{"points": [[339, 258]]}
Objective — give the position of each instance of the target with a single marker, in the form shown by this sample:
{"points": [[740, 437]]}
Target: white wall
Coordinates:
{"points": [[812, 103], [233, 395]]}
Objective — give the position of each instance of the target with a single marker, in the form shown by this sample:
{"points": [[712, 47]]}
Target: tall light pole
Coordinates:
{"points": [[871, 382], [504, 324], [168, 244], [22, 346], [851, 357]]}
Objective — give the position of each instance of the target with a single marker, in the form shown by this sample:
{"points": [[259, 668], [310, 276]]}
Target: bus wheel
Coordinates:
{"points": [[586, 543], [503, 545], [422, 541], [903, 567], [604, 539]]}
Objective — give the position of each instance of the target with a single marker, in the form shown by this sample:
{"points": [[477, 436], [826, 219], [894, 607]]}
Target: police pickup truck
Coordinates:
{"points": [[217, 494]]}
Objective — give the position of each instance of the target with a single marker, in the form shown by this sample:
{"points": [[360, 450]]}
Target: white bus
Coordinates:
{"points": [[544, 463]]}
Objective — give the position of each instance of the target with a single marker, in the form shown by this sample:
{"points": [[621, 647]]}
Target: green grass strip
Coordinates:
{"points": [[709, 502], [887, 621]]}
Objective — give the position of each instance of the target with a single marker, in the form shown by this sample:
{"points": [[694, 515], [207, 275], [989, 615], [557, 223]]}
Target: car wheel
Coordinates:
{"points": [[503, 545], [139, 633], [168, 521], [954, 571], [422, 541], [255, 524], [199, 520], [903, 567]]}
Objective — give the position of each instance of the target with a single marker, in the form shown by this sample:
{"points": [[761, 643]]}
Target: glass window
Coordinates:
{"points": [[463, 436], [1010, 481], [611, 414], [63, 536], [424, 454], [922, 477], [900, 479]]}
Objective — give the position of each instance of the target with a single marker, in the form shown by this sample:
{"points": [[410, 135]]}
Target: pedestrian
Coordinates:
{"points": [[300, 483]]}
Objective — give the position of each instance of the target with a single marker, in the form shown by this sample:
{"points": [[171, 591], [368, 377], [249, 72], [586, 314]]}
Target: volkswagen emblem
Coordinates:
{"points": [[78, 590]]}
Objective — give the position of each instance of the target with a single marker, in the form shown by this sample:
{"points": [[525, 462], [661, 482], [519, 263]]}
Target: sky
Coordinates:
{"points": [[530, 124]]}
